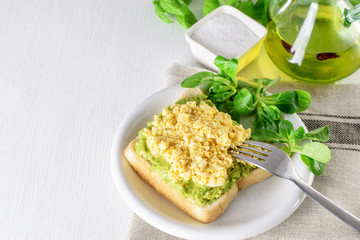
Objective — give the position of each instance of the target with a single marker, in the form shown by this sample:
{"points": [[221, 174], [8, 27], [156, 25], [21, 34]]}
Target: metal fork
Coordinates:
{"points": [[278, 163]]}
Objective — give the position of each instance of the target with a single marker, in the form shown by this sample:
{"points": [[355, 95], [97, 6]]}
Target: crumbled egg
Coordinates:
{"points": [[195, 140]]}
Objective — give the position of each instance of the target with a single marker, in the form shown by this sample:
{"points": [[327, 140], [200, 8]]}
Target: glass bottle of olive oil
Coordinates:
{"points": [[310, 41]]}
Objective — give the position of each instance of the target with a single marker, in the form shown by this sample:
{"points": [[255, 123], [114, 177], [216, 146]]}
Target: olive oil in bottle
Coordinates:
{"points": [[331, 50]]}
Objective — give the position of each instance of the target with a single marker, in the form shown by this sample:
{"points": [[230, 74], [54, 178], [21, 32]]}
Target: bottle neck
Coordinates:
{"points": [[352, 15]]}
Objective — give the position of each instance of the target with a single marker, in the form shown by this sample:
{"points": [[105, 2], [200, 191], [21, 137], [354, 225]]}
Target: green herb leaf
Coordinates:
{"points": [[316, 167], [221, 107], [249, 87], [175, 8], [260, 81], [222, 74], [320, 134], [286, 101], [290, 101], [231, 110], [197, 79], [273, 82], [210, 5], [299, 134], [272, 113], [286, 149], [265, 118], [315, 150], [244, 102], [261, 11], [247, 7], [286, 129], [304, 100], [220, 97], [221, 92], [186, 21], [160, 12], [221, 80], [305, 159], [233, 3], [266, 135], [267, 81], [229, 66], [354, 2], [220, 88], [172, 6]]}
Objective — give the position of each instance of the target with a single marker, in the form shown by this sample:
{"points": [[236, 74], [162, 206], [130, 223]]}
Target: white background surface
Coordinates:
{"points": [[70, 70]]}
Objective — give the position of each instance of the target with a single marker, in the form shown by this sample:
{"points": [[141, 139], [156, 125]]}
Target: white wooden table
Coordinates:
{"points": [[70, 70]]}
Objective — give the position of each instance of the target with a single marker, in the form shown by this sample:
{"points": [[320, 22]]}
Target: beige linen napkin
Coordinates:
{"points": [[335, 105]]}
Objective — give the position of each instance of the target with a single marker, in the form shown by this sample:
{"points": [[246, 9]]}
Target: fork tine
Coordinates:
{"points": [[262, 145], [243, 151], [253, 161], [244, 146]]}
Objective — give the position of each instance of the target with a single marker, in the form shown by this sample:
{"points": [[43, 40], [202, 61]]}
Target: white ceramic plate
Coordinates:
{"points": [[254, 211]]}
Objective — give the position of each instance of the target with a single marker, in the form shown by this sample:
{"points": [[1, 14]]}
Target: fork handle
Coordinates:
{"points": [[328, 204]]}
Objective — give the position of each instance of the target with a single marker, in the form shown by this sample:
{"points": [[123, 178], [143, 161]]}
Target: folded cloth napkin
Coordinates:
{"points": [[337, 106]]}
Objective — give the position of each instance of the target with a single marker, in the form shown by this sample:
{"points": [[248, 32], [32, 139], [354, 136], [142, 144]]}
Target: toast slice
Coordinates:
{"points": [[205, 214]]}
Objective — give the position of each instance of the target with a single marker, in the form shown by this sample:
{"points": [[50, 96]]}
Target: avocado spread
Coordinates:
{"points": [[202, 195]]}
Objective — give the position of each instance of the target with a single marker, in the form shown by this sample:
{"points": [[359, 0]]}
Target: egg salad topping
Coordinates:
{"points": [[195, 139]]}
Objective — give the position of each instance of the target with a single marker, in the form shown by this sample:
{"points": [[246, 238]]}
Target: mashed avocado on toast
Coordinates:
{"points": [[204, 189]]}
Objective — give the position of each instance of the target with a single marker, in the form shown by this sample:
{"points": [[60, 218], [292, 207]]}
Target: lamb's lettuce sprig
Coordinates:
{"points": [[314, 154], [240, 98]]}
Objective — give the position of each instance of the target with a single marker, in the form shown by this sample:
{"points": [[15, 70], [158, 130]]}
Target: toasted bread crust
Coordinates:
{"points": [[255, 176], [205, 214]]}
